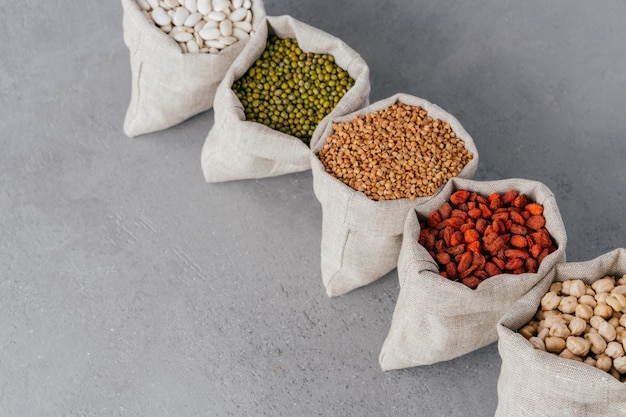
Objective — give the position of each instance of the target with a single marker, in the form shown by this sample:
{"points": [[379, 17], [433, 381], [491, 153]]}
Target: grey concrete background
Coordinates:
{"points": [[130, 287]]}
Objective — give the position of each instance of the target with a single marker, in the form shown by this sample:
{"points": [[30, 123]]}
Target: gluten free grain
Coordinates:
{"points": [[397, 152]]}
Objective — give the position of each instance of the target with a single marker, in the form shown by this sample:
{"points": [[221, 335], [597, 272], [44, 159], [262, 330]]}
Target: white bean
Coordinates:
{"points": [[191, 5], [214, 43], [183, 36], [220, 5], [204, 6], [192, 47], [237, 4], [245, 26], [154, 3], [228, 40], [160, 17], [210, 33], [180, 16], [240, 34], [199, 26], [238, 15], [226, 27], [192, 19], [144, 5], [211, 24], [217, 16]]}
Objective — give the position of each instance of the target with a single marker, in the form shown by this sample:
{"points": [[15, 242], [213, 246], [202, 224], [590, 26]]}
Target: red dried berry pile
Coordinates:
{"points": [[473, 237]]}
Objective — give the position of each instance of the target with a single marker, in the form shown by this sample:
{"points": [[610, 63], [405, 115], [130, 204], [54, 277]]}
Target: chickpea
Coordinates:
{"points": [[588, 300], [554, 344], [566, 286], [568, 304], [590, 360], [577, 345], [604, 285], [556, 287], [607, 331], [620, 364], [620, 289], [577, 288], [577, 326], [560, 330], [596, 321], [601, 297], [603, 310], [537, 343], [584, 311], [616, 301], [567, 354], [550, 321], [527, 331], [614, 350], [543, 333], [604, 362], [597, 343], [550, 301]]}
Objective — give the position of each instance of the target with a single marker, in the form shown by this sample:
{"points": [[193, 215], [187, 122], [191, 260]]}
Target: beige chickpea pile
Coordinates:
{"points": [[397, 152], [583, 323]]}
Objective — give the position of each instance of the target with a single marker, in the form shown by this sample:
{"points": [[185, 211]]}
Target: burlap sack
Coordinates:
{"points": [[361, 237], [169, 86], [436, 319], [238, 149], [536, 383]]}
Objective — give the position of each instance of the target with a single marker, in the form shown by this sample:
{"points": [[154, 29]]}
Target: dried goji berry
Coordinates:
{"points": [[445, 210], [516, 253], [486, 213], [520, 201], [474, 213], [433, 219], [536, 222], [456, 250], [478, 260], [534, 209], [492, 269], [481, 225], [452, 271], [442, 257], [471, 235], [517, 217], [518, 229], [518, 241], [472, 282], [465, 262], [467, 226], [459, 197], [531, 265], [513, 263], [474, 246], [535, 250], [509, 196]]}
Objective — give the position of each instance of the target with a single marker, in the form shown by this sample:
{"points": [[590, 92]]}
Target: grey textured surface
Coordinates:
{"points": [[130, 287]]}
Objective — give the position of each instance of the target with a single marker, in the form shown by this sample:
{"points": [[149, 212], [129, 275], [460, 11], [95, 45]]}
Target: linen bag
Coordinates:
{"points": [[436, 319], [361, 237], [533, 382], [238, 149], [169, 86]]}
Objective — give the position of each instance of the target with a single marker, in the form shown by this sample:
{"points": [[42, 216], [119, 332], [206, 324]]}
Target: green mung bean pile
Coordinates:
{"points": [[290, 90]]}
